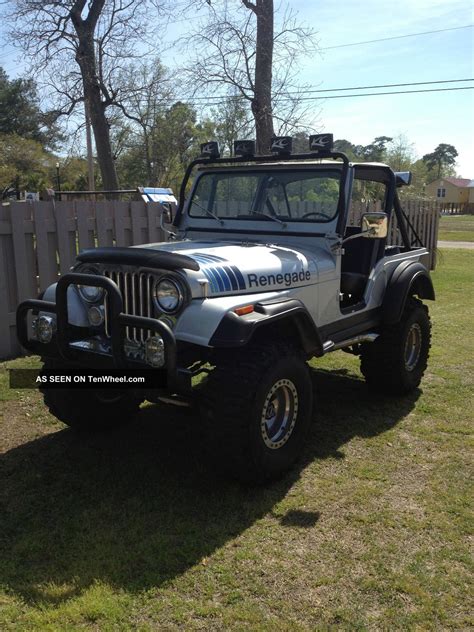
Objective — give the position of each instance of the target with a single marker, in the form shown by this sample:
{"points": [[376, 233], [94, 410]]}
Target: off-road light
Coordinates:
{"points": [[282, 145], [321, 142], [168, 295], [244, 148], [45, 326], [210, 150], [96, 315], [155, 351]]}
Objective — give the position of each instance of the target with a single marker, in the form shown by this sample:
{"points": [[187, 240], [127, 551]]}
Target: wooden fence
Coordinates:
{"points": [[40, 240], [455, 208]]}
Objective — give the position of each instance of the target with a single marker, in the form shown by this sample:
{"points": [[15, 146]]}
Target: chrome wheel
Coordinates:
{"points": [[279, 414], [413, 347]]}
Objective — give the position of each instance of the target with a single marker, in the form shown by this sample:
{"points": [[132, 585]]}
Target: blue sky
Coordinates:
{"points": [[426, 119]]}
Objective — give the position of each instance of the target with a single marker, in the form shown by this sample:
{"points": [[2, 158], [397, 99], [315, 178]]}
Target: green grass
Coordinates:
{"points": [[134, 531], [456, 228]]}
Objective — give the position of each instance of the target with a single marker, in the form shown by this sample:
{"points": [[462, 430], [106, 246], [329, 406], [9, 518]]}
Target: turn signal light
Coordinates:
{"points": [[241, 311]]}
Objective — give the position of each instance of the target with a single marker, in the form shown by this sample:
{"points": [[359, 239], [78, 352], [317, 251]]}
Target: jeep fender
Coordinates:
{"points": [[409, 278], [290, 313]]}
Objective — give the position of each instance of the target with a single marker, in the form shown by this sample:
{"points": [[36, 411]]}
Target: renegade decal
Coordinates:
{"points": [[286, 279]]}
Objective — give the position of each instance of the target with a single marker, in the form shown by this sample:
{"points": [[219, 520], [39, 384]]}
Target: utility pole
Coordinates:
{"points": [[90, 157]]}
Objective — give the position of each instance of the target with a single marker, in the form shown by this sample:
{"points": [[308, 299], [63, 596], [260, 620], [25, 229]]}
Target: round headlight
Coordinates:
{"points": [[168, 295], [90, 293]]}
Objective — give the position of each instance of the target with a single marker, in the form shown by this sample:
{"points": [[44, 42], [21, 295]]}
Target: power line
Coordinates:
{"points": [[342, 96], [387, 85], [376, 94], [220, 100], [386, 39], [312, 91]]}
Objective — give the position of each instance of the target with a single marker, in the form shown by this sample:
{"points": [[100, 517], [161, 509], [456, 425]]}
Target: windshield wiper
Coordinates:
{"points": [[208, 212], [275, 219]]}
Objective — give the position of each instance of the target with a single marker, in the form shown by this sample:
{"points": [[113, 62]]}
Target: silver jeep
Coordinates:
{"points": [[264, 270]]}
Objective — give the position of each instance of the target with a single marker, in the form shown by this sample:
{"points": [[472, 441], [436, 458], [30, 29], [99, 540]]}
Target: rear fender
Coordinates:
{"points": [[408, 279]]}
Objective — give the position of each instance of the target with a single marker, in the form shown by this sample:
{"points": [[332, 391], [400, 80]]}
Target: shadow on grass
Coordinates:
{"points": [[139, 506]]}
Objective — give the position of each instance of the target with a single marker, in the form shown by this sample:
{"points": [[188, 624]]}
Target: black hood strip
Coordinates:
{"points": [[139, 257]]}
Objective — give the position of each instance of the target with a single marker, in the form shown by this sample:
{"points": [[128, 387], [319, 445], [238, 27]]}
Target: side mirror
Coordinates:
{"points": [[374, 225], [167, 212], [403, 178]]}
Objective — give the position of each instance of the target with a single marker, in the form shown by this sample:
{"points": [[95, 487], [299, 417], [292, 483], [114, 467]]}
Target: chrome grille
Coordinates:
{"points": [[136, 290]]}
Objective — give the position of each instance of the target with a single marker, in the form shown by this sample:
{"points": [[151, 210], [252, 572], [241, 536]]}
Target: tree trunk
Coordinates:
{"points": [[262, 101], [85, 57]]}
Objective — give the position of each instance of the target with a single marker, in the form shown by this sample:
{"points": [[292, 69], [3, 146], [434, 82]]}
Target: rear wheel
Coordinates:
{"points": [[91, 410], [257, 404], [397, 360]]}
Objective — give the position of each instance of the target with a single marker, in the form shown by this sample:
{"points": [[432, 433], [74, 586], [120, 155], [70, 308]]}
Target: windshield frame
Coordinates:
{"points": [[333, 170]]}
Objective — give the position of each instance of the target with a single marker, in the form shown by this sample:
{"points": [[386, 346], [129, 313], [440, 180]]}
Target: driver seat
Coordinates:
{"points": [[357, 262], [353, 283]]}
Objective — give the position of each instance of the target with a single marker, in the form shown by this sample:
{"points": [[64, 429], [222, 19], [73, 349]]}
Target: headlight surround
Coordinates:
{"points": [[168, 295], [89, 293]]}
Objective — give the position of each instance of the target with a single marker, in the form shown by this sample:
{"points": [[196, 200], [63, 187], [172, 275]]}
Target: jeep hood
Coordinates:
{"points": [[234, 268]]}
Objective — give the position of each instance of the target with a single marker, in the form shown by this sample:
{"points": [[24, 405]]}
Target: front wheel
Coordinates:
{"points": [[257, 404], [91, 410], [397, 360]]}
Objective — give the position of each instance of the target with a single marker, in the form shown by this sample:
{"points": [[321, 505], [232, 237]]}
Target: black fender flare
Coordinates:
{"points": [[237, 331], [408, 279]]}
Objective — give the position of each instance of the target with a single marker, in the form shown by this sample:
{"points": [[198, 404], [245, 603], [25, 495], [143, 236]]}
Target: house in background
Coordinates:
{"points": [[449, 190], [470, 186]]}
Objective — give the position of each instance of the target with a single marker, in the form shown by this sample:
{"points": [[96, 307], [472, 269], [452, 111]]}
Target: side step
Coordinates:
{"points": [[329, 345]]}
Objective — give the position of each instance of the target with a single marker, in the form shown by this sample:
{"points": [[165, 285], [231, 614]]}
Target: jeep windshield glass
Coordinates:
{"points": [[297, 195]]}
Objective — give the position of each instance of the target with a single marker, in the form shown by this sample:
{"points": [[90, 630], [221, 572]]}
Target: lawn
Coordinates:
{"points": [[456, 228], [134, 531]]}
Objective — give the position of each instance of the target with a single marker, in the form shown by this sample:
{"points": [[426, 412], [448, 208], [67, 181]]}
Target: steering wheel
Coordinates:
{"points": [[323, 215]]}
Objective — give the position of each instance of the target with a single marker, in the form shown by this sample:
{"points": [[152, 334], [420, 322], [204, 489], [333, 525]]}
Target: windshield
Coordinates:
{"points": [[304, 195]]}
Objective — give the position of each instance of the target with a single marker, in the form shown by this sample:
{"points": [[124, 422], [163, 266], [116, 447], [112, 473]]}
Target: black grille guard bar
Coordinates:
{"points": [[118, 322]]}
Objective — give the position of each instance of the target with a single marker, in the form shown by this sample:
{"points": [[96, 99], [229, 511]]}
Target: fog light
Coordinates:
{"points": [[45, 328], [155, 351], [96, 315]]}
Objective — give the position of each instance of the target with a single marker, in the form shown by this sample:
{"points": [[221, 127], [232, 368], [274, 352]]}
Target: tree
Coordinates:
{"points": [[262, 97], [441, 159], [377, 150], [24, 163], [98, 35], [232, 122], [242, 53], [21, 114]]}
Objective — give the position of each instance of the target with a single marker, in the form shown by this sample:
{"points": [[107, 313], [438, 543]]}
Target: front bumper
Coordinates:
{"points": [[176, 379]]}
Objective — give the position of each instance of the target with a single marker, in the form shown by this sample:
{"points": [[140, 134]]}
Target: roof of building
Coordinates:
{"points": [[471, 184], [458, 182]]}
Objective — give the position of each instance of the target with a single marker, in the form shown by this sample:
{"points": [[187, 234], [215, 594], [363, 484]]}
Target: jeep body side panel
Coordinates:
{"points": [[201, 319]]}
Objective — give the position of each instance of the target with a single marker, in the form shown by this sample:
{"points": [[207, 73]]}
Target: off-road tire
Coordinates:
{"points": [[387, 364], [91, 410], [236, 404]]}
